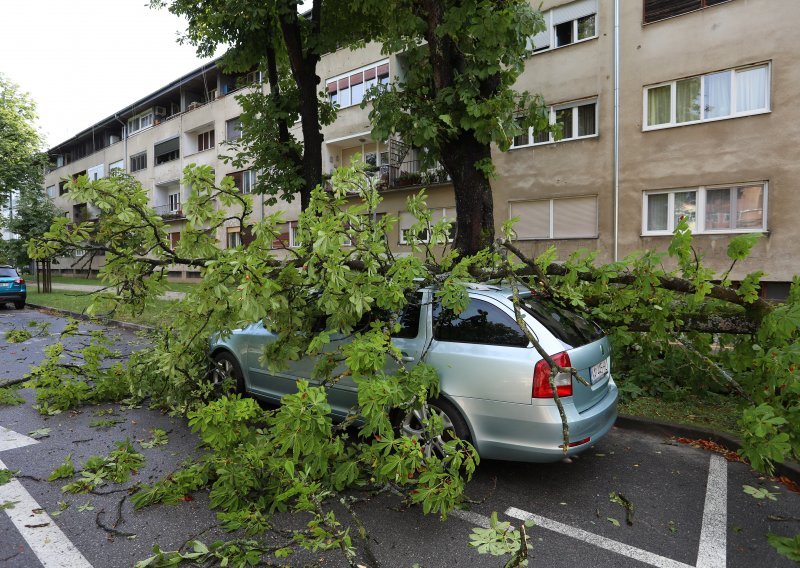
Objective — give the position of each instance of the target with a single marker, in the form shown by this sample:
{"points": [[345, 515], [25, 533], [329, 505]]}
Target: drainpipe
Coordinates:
{"points": [[616, 130]]}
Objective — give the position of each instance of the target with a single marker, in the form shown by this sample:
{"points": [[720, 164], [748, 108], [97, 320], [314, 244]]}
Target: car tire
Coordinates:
{"points": [[19, 305], [411, 424], [226, 367]]}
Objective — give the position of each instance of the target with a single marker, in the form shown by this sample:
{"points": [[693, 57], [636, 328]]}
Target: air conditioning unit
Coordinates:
{"points": [[212, 94], [160, 111]]}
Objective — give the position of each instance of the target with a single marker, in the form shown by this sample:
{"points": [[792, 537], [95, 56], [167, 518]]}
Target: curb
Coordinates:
{"points": [[101, 319], [668, 429]]}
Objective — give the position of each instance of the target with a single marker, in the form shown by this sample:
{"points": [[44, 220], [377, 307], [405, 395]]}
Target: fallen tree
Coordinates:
{"points": [[295, 457]]}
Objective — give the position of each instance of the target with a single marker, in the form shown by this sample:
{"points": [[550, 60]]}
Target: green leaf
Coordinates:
{"points": [[740, 246]]}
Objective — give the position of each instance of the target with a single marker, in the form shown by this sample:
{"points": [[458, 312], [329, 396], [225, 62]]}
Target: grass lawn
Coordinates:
{"points": [[718, 412], [158, 312], [173, 286]]}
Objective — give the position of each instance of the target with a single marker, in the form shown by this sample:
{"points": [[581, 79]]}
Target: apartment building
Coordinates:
{"points": [[668, 109]]}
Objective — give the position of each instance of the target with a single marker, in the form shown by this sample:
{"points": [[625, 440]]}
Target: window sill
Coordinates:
{"points": [[734, 232], [695, 122], [557, 238], [199, 152], [553, 142], [551, 49]]}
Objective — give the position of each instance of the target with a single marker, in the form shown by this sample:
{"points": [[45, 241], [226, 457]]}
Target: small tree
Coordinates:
{"points": [[32, 216], [21, 159]]}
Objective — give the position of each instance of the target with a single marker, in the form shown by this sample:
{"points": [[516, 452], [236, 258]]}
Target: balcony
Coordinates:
{"points": [[167, 213], [411, 173]]}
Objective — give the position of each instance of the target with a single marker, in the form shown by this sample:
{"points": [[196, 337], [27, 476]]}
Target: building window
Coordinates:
{"points": [[233, 129], [234, 237], [565, 25], [728, 209], [563, 218], [52, 192], [577, 120], [655, 10], [167, 151], [205, 140], [139, 162], [244, 181], [140, 121], [407, 220], [349, 89], [722, 94], [96, 172], [174, 239], [287, 237], [118, 165], [174, 200]]}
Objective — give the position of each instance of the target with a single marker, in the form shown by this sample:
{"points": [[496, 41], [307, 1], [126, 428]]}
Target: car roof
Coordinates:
{"points": [[497, 291]]}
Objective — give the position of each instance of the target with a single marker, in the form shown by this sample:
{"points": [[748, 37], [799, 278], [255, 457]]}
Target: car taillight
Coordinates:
{"points": [[19, 281], [541, 378]]}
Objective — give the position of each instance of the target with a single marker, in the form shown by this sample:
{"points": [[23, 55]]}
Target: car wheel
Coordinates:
{"points": [[19, 305], [412, 425], [226, 370]]}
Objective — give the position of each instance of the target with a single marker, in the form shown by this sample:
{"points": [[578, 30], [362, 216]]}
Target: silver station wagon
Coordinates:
{"points": [[495, 388]]}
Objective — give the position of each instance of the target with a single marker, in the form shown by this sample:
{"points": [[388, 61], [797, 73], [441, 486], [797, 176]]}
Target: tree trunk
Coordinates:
{"points": [[303, 63], [473, 194], [284, 138]]}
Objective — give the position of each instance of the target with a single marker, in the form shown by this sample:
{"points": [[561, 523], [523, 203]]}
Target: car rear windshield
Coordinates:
{"points": [[568, 326], [8, 272]]}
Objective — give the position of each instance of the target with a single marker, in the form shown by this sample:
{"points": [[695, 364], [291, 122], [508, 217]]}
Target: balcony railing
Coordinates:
{"points": [[410, 174], [166, 213]]}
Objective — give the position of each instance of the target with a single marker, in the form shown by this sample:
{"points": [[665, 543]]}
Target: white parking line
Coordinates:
{"points": [[713, 535], [47, 541], [597, 540], [712, 550]]}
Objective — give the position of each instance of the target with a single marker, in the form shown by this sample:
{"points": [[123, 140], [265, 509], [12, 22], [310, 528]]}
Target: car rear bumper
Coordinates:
{"points": [[13, 296], [533, 433]]}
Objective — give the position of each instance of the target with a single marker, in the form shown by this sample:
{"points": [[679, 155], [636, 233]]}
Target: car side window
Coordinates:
{"points": [[409, 319], [481, 322]]}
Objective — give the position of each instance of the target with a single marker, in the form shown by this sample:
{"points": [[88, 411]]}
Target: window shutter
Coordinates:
{"points": [[357, 78], [332, 87], [369, 74], [383, 70], [574, 11], [343, 83], [575, 217], [542, 39], [655, 10], [406, 220], [283, 236], [167, 146], [534, 219]]}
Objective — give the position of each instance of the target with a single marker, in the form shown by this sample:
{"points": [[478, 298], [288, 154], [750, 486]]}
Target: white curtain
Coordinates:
{"points": [[751, 89], [718, 94], [657, 212], [658, 105]]}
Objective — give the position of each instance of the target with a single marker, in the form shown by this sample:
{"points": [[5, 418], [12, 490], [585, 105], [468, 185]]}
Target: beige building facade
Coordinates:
{"points": [[668, 109]]}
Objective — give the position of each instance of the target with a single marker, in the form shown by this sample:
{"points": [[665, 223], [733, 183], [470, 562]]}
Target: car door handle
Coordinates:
{"points": [[406, 358]]}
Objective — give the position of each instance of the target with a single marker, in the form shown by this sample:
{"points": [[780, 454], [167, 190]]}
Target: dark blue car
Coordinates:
{"points": [[12, 287]]}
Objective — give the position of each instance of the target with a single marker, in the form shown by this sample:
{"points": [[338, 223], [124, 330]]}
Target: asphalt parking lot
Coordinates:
{"points": [[690, 509]]}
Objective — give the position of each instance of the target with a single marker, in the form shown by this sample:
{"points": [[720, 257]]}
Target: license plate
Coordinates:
{"points": [[5, 284], [599, 371]]}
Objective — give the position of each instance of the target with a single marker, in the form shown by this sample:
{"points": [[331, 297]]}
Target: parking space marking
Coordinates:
{"points": [[712, 551], [713, 534], [597, 540], [50, 545], [10, 440]]}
